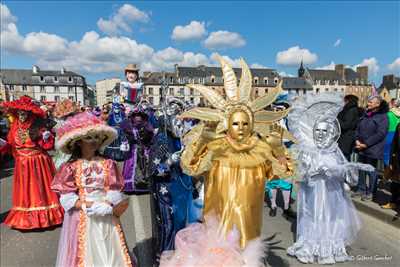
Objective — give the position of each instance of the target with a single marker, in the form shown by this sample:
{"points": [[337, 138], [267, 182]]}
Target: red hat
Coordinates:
{"points": [[24, 103]]}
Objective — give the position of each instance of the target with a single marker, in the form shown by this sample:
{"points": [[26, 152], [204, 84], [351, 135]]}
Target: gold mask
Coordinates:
{"points": [[239, 128]]}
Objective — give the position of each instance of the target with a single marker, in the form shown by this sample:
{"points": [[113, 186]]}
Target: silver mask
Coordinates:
{"points": [[326, 132]]}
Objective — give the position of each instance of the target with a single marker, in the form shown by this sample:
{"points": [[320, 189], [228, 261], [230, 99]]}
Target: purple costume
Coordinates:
{"points": [[136, 172]]}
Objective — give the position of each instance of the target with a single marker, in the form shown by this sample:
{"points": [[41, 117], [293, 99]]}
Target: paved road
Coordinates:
{"points": [[376, 240]]}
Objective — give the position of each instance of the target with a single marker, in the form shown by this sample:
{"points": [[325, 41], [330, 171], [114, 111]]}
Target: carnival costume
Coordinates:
{"points": [[35, 206], [118, 150], [139, 133], [131, 91], [172, 202], [62, 111], [239, 158], [327, 220], [91, 236]]}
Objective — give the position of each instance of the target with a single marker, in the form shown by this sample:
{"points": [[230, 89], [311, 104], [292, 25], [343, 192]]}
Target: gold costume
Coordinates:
{"points": [[235, 157]]}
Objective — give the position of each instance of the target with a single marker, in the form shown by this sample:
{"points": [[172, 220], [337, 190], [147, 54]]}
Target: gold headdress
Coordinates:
{"points": [[237, 97]]}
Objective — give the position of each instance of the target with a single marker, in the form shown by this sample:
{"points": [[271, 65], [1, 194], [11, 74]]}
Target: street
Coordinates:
{"points": [[377, 244]]}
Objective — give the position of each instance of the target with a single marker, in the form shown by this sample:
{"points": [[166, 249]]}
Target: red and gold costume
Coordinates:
{"points": [[34, 205]]}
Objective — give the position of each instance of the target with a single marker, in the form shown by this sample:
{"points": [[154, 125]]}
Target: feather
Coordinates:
{"points": [[266, 100], [212, 96], [230, 81], [245, 82], [204, 114]]}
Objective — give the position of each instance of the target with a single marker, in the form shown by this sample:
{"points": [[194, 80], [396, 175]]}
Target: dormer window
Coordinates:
{"points": [[256, 80], [55, 79], [265, 80], [41, 78], [70, 79]]}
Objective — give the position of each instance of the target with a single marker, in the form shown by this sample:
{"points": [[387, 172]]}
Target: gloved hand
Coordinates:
{"points": [[124, 146], [46, 135], [99, 209], [174, 158]]}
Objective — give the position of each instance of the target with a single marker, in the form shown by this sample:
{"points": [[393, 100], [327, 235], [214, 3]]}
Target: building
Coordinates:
{"points": [[340, 79], [392, 85], [263, 79], [297, 86], [104, 90], [43, 85], [91, 94]]}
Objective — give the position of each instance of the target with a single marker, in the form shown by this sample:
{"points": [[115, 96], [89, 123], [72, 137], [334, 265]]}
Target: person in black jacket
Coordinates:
{"points": [[370, 140], [348, 119]]}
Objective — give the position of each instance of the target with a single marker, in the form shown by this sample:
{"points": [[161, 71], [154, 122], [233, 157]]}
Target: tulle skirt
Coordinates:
{"points": [[327, 222]]}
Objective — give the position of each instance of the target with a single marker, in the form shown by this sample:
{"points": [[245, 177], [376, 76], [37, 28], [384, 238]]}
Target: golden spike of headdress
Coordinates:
{"points": [[270, 116], [230, 81], [245, 82], [212, 96], [265, 130], [266, 100], [204, 114]]}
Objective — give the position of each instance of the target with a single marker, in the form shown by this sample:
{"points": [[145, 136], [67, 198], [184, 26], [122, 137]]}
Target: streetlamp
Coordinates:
{"points": [[76, 93]]}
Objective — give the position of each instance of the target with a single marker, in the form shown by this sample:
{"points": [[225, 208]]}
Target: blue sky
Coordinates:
{"points": [[98, 38]]}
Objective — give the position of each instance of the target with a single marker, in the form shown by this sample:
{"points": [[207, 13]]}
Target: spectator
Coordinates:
{"points": [[348, 119], [392, 171], [393, 117], [370, 140]]}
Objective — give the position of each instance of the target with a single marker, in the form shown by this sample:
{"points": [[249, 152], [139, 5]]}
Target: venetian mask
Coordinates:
{"points": [[239, 128], [22, 115], [325, 133]]}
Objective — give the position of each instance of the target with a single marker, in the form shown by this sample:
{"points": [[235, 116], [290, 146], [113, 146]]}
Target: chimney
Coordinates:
{"points": [[63, 70], [362, 72], [339, 68], [35, 69]]}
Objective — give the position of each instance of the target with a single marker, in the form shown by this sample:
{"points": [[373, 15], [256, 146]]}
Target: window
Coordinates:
{"points": [[255, 80], [212, 80], [42, 89], [71, 98], [151, 91], [182, 91], [11, 87], [57, 98], [42, 98], [191, 91], [336, 89], [192, 100], [317, 90], [70, 79], [297, 91], [70, 89], [304, 91], [151, 100], [24, 88], [55, 79], [56, 89], [265, 80], [342, 89], [171, 79], [41, 78], [326, 89]]}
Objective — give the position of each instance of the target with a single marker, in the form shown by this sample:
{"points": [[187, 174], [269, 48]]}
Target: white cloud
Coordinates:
{"points": [[330, 66], [294, 55], [224, 39], [395, 65], [97, 54], [6, 17], [284, 74], [258, 66], [372, 63], [337, 43], [121, 21], [193, 31]]}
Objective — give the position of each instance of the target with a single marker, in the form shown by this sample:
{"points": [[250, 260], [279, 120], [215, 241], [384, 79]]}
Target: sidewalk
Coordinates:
{"points": [[372, 207]]}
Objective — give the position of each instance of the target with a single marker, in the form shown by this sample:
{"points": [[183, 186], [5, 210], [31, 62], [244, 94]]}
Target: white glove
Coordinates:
{"points": [[124, 146], [99, 209], [46, 135], [174, 158]]}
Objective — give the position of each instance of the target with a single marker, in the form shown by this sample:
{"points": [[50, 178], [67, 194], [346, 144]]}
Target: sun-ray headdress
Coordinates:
{"points": [[237, 98]]}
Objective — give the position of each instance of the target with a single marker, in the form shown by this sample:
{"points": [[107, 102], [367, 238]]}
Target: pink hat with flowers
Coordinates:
{"points": [[79, 126]]}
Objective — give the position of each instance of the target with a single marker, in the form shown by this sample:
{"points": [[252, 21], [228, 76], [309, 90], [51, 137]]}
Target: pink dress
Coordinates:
{"points": [[90, 240]]}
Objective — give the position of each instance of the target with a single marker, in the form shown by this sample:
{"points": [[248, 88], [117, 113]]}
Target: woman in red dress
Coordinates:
{"points": [[35, 206]]}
